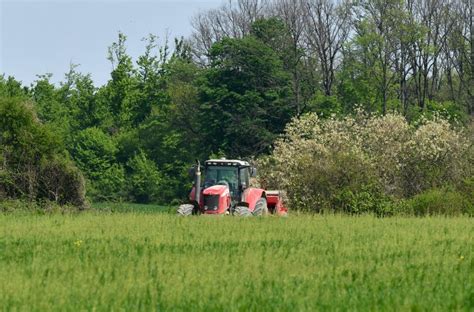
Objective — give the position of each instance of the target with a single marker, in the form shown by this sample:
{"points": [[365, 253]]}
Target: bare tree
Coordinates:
{"points": [[460, 54], [291, 12], [233, 19], [375, 24], [427, 49], [420, 50], [403, 38], [327, 28]]}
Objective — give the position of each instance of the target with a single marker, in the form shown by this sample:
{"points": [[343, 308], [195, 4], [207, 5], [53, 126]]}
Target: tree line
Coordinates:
{"points": [[397, 54], [229, 89]]}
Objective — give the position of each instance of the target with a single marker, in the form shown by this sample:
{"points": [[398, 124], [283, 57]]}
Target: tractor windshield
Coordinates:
{"points": [[225, 175]]}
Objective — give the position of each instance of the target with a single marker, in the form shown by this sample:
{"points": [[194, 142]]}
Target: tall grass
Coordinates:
{"points": [[160, 262], [132, 208]]}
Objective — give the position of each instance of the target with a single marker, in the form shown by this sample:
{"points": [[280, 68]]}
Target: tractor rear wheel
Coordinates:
{"points": [[242, 211], [185, 210], [261, 208]]}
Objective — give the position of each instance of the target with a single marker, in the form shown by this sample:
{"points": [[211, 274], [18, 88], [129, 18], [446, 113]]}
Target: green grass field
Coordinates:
{"points": [[132, 208], [151, 261]]}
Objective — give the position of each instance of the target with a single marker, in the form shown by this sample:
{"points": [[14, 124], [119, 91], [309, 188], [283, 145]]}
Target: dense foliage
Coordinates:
{"points": [[248, 69], [33, 164], [364, 163]]}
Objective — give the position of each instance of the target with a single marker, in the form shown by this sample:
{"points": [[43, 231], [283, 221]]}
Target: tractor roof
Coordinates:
{"points": [[226, 162]]}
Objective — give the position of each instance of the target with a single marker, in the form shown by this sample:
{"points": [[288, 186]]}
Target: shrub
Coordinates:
{"points": [[364, 163], [440, 201], [364, 201], [467, 189], [62, 182], [433, 156], [39, 207], [34, 165]]}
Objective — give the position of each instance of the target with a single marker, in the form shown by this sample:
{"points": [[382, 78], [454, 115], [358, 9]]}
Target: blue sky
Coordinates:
{"points": [[38, 37]]}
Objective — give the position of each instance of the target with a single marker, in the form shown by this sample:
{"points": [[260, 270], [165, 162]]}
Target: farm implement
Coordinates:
{"points": [[225, 189]]}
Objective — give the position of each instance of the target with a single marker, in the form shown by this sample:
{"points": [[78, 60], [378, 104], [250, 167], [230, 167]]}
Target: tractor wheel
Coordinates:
{"points": [[242, 211], [261, 208], [185, 210]]}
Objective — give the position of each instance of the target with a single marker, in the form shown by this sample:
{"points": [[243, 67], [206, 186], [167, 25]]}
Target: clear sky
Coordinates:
{"points": [[38, 36]]}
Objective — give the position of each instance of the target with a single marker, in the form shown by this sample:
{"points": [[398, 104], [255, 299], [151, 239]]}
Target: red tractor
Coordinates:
{"points": [[226, 190]]}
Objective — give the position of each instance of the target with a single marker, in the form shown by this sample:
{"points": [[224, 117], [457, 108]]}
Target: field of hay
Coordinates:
{"points": [[154, 261]]}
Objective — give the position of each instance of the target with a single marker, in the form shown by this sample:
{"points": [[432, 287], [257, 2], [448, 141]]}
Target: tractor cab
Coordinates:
{"points": [[235, 174]]}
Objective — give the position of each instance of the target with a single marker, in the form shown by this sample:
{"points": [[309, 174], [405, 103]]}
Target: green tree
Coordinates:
{"points": [[50, 104], [94, 152], [285, 40], [245, 97], [144, 181], [150, 73], [120, 94], [10, 87], [86, 109], [170, 135]]}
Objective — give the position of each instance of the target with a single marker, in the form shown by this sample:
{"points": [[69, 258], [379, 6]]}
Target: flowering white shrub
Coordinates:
{"points": [[435, 155], [358, 163]]}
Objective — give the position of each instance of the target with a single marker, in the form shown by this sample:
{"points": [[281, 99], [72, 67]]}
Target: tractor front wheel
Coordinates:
{"points": [[242, 211], [261, 208], [185, 210]]}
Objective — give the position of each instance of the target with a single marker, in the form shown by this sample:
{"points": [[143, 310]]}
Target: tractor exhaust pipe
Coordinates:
{"points": [[197, 182]]}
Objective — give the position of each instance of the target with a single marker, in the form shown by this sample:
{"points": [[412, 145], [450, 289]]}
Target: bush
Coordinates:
{"points": [[34, 165], [365, 163], [39, 207], [467, 189], [364, 201], [440, 201], [433, 156], [61, 182]]}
